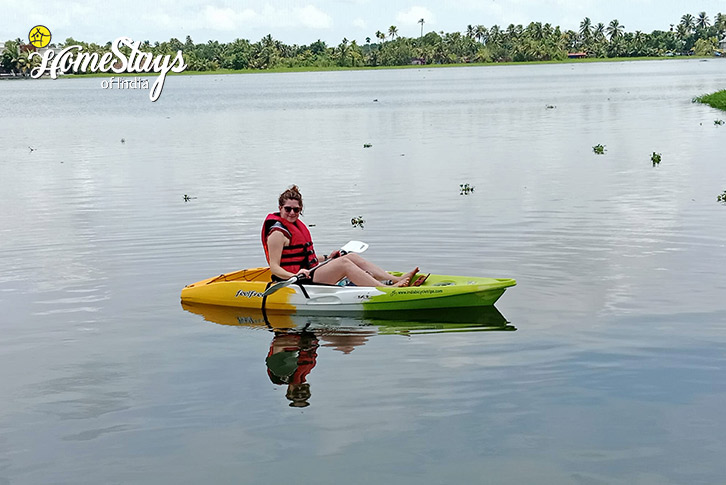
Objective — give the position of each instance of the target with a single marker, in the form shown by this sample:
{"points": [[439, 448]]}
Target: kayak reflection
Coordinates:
{"points": [[472, 319], [293, 350]]}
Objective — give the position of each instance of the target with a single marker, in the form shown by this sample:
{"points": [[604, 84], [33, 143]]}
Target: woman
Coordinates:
{"points": [[289, 251]]}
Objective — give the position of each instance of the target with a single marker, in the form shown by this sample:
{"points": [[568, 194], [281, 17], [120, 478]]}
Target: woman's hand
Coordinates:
{"points": [[303, 273]]}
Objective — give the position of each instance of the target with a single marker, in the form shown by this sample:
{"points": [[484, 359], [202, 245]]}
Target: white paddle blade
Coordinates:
{"points": [[354, 247], [280, 285]]}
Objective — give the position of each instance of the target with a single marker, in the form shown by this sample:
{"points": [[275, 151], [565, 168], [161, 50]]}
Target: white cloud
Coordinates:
{"points": [[414, 14], [312, 17], [360, 23], [266, 17], [220, 18]]}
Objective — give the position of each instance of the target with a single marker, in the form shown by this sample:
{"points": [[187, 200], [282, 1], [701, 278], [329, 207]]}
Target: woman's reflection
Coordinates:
{"points": [[296, 338], [293, 354], [290, 359]]}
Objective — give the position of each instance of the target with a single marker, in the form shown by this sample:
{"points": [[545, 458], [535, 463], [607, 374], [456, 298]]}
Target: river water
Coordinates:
{"points": [[605, 364]]}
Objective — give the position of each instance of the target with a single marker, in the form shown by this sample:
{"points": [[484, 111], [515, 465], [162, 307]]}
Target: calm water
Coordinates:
{"points": [[612, 368]]}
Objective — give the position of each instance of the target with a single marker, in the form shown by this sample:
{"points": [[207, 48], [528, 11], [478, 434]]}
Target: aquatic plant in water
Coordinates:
{"points": [[465, 189], [357, 221], [715, 100], [599, 149], [721, 198], [655, 158], [367, 145], [718, 122]]}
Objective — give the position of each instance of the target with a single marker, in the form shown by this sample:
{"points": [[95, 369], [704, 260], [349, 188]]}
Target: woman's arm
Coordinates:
{"points": [[276, 241]]}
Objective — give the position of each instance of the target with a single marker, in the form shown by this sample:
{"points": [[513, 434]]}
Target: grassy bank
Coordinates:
{"points": [[429, 66], [366, 68], [715, 100]]}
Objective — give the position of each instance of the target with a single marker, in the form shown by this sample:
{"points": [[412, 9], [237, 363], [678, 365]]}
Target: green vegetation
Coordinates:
{"points": [[357, 221], [599, 149], [367, 145], [718, 122], [721, 198], [655, 158], [465, 189], [536, 42], [715, 100]]}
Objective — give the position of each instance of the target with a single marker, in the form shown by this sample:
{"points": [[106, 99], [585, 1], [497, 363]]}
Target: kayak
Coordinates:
{"points": [[245, 288], [468, 319]]}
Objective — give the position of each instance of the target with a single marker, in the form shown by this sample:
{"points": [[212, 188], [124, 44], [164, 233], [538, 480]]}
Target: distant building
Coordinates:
{"points": [[577, 55], [42, 50], [722, 44]]}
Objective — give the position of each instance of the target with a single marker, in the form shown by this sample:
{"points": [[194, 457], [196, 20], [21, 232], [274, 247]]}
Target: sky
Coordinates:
{"points": [[305, 21]]}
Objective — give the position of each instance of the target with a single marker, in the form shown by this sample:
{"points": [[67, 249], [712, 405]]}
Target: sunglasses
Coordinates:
{"points": [[289, 209]]}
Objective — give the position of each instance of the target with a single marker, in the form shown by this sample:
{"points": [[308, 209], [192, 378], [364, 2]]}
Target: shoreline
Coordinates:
{"points": [[283, 70], [408, 66]]}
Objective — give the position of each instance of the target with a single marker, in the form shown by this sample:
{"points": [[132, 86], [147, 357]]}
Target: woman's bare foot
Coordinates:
{"points": [[405, 280]]}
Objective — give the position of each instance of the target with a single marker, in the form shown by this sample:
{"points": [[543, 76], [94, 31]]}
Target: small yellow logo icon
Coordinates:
{"points": [[39, 36]]}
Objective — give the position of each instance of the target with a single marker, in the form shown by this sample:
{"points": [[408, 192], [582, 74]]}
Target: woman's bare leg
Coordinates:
{"points": [[375, 271], [335, 270]]}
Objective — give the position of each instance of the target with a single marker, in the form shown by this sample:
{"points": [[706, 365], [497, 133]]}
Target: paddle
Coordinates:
{"points": [[350, 247]]}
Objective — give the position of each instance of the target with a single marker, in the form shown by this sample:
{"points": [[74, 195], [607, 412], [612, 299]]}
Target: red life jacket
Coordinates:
{"points": [[300, 252]]}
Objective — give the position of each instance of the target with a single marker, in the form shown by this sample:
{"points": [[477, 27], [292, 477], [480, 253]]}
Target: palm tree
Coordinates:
{"points": [[688, 22], [586, 29], [380, 36], [343, 51], [25, 63], [494, 34], [702, 20], [480, 33], [682, 31], [615, 30], [470, 31], [268, 41], [422, 24], [9, 57], [720, 22], [392, 32], [599, 31], [534, 29], [514, 30]]}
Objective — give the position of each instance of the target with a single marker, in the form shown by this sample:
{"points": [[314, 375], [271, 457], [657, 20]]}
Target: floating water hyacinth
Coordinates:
{"points": [[655, 158], [721, 198], [367, 145], [465, 189], [718, 122], [357, 221], [599, 149]]}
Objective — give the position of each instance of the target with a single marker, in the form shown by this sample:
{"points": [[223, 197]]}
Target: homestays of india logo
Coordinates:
{"points": [[125, 57]]}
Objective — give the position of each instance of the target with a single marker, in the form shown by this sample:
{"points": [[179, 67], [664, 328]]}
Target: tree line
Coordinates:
{"points": [[477, 44]]}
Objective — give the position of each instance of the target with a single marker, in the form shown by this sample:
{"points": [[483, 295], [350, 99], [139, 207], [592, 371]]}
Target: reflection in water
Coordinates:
{"points": [[293, 350], [291, 358], [400, 321]]}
